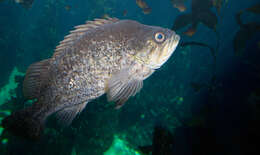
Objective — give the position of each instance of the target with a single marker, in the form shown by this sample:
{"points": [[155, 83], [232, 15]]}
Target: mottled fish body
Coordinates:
{"points": [[179, 4], [102, 56]]}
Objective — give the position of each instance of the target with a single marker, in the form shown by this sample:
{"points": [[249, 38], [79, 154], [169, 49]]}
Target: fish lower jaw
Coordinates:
{"points": [[153, 67]]}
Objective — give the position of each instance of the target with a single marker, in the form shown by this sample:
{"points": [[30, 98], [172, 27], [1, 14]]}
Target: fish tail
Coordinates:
{"points": [[23, 124]]}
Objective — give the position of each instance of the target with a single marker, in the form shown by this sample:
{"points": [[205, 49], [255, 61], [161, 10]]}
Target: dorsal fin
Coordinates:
{"points": [[36, 78], [80, 30]]}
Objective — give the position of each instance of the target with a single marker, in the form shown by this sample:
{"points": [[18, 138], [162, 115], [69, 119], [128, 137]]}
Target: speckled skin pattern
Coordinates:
{"points": [[79, 73]]}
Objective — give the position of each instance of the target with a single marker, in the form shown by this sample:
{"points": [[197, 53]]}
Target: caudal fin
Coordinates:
{"points": [[21, 123]]}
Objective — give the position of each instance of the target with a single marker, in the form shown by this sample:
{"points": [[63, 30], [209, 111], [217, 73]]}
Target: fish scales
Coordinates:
{"points": [[103, 56], [84, 67]]}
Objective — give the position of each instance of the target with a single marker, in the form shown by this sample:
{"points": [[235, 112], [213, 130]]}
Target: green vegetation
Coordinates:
{"points": [[7, 91], [120, 147], [5, 141]]}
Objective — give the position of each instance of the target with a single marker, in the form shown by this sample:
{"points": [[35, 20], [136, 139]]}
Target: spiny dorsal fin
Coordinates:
{"points": [[80, 30], [36, 78]]}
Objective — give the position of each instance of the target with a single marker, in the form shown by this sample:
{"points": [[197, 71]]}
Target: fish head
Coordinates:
{"points": [[154, 45]]}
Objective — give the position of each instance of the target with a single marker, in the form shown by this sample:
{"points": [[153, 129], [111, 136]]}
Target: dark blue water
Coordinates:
{"points": [[206, 95]]}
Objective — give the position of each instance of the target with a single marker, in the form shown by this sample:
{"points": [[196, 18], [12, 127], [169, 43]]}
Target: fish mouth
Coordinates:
{"points": [[174, 41]]}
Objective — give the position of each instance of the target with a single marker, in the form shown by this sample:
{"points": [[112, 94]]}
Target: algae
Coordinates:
{"points": [[6, 92], [120, 147]]}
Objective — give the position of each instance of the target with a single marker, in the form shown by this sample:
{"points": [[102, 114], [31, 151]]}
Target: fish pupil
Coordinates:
{"points": [[159, 36]]}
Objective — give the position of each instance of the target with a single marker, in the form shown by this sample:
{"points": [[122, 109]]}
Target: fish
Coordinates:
{"points": [[179, 4], [103, 56], [218, 4], [67, 7], [190, 31], [25, 3], [254, 9], [143, 5], [200, 13]]}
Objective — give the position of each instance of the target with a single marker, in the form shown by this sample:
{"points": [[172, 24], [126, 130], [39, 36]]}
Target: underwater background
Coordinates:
{"points": [[204, 100]]}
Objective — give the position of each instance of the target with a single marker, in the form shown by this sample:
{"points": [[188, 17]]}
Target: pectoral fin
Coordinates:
{"points": [[123, 85], [66, 115]]}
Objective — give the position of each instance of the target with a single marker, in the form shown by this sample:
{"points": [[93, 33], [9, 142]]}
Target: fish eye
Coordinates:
{"points": [[159, 37]]}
